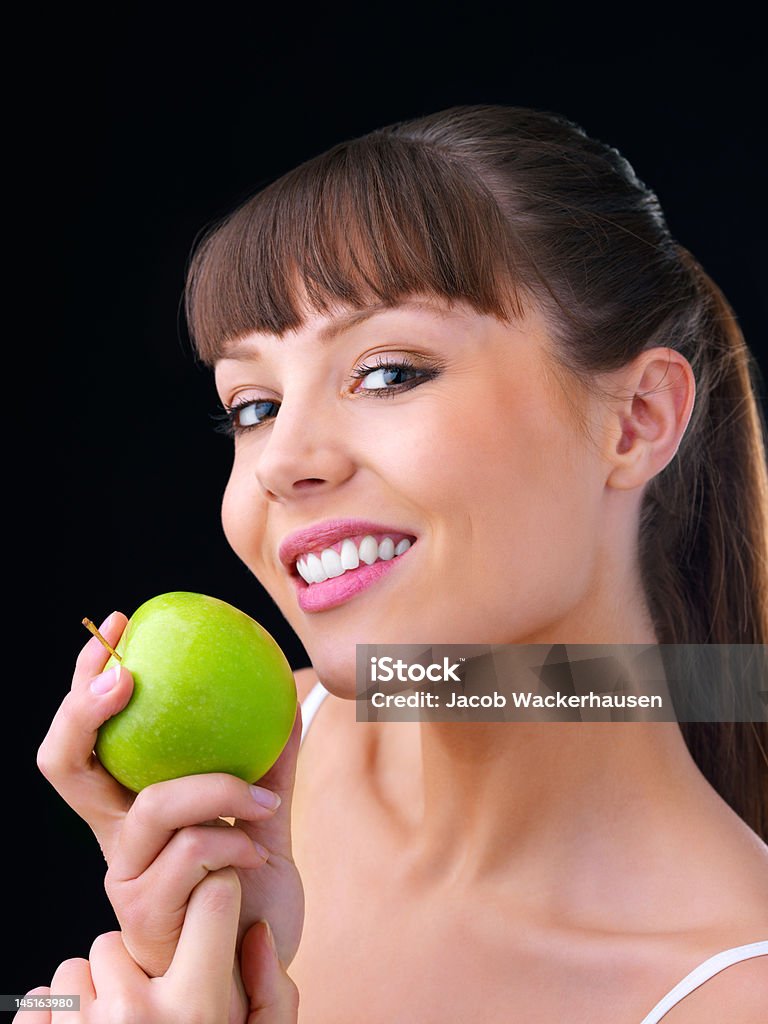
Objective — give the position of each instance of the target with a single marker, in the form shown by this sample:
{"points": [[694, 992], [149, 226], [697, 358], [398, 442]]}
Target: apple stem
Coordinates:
{"points": [[90, 626]]}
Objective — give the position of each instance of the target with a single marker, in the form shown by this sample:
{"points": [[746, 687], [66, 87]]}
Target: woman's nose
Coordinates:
{"points": [[307, 448]]}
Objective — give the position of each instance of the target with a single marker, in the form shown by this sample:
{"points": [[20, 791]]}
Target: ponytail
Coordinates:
{"points": [[706, 568]]}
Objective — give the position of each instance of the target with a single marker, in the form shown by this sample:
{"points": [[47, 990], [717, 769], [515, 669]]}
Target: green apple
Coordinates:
{"points": [[213, 692]]}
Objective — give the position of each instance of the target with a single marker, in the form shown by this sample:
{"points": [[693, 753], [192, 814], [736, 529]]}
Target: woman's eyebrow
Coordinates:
{"points": [[248, 349]]}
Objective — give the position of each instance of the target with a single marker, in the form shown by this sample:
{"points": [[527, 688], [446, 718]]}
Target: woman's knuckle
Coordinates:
{"points": [[219, 789], [146, 807], [51, 759], [241, 838], [220, 889], [111, 884], [128, 897], [193, 842]]}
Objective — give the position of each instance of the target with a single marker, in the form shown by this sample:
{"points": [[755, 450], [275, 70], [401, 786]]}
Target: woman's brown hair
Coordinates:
{"points": [[500, 207]]}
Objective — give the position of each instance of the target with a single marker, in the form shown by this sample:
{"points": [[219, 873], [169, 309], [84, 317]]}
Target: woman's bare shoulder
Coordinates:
{"points": [[737, 993]]}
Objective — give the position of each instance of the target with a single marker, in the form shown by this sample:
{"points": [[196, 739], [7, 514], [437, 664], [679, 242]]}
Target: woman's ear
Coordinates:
{"points": [[645, 428]]}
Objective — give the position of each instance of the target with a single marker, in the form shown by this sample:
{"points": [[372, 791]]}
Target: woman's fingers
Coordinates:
{"points": [[159, 810], [73, 978], [274, 998], [151, 908], [204, 961], [120, 984], [191, 854], [93, 655], [163, 853], [281, 776], [275, 832], [197, 985], [34, 1016], [66, 757]]}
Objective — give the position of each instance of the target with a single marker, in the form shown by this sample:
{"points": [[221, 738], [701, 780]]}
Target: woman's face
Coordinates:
{"points": [[469, 448]]}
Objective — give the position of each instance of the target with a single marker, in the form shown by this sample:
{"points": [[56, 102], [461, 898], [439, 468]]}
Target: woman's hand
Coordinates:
{"points": [[157, 845], [195, 988]]}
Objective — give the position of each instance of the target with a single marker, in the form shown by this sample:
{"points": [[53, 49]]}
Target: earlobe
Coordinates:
{"points": [[653, 419]]}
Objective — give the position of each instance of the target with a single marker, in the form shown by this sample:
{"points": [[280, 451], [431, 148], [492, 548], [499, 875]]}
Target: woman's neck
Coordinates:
{"points": [[566, 816]]}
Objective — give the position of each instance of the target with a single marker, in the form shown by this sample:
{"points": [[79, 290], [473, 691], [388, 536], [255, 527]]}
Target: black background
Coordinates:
{"points": [[144, 133]]}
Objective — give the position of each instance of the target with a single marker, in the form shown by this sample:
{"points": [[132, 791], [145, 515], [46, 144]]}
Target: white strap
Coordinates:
{"points": [[309, 706], [702, 973]]}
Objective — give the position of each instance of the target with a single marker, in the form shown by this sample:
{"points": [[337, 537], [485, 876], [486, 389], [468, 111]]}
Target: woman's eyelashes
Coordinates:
{"points": [[388, 377]]}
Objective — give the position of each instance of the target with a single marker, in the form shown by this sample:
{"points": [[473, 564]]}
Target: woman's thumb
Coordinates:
{"points": [[274, 998], [282, 775]]}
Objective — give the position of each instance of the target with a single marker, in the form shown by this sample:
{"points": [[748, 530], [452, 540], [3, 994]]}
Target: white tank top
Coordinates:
{"points": [[697, 976], [309, 707]]}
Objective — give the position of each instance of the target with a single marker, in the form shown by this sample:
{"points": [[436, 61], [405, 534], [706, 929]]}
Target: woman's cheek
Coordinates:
{"points": [[238, 525]]}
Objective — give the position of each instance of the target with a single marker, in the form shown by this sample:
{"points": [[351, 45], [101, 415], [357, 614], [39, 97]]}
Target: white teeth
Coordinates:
{"points": [[315, 568], [330, 564], [387, 549], [369, 550], [349, 556]]}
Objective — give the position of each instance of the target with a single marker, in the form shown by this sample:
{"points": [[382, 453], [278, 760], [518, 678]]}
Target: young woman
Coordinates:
{"points": [[471, 338]]}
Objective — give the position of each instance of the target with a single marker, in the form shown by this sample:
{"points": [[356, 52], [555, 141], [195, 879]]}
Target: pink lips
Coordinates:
{"points": [[317, 597], [323, 535]]}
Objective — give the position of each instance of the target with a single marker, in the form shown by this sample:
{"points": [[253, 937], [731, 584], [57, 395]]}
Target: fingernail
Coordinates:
{"points": [[262, 852], [106, 681], [265, 797], [270, 937]]}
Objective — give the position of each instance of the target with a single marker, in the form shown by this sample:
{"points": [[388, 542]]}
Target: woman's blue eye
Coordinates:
{"points": [[242, 417], [387, 377], [386, 374], [250, 414]]}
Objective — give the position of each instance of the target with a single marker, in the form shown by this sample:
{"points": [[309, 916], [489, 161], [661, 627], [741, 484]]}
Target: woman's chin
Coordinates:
{"points": [[337, 676]]}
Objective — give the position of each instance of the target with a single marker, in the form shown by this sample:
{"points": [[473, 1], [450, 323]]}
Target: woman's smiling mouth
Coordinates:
{"points": [[331, 561], [326, 580], [346, 555]]}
